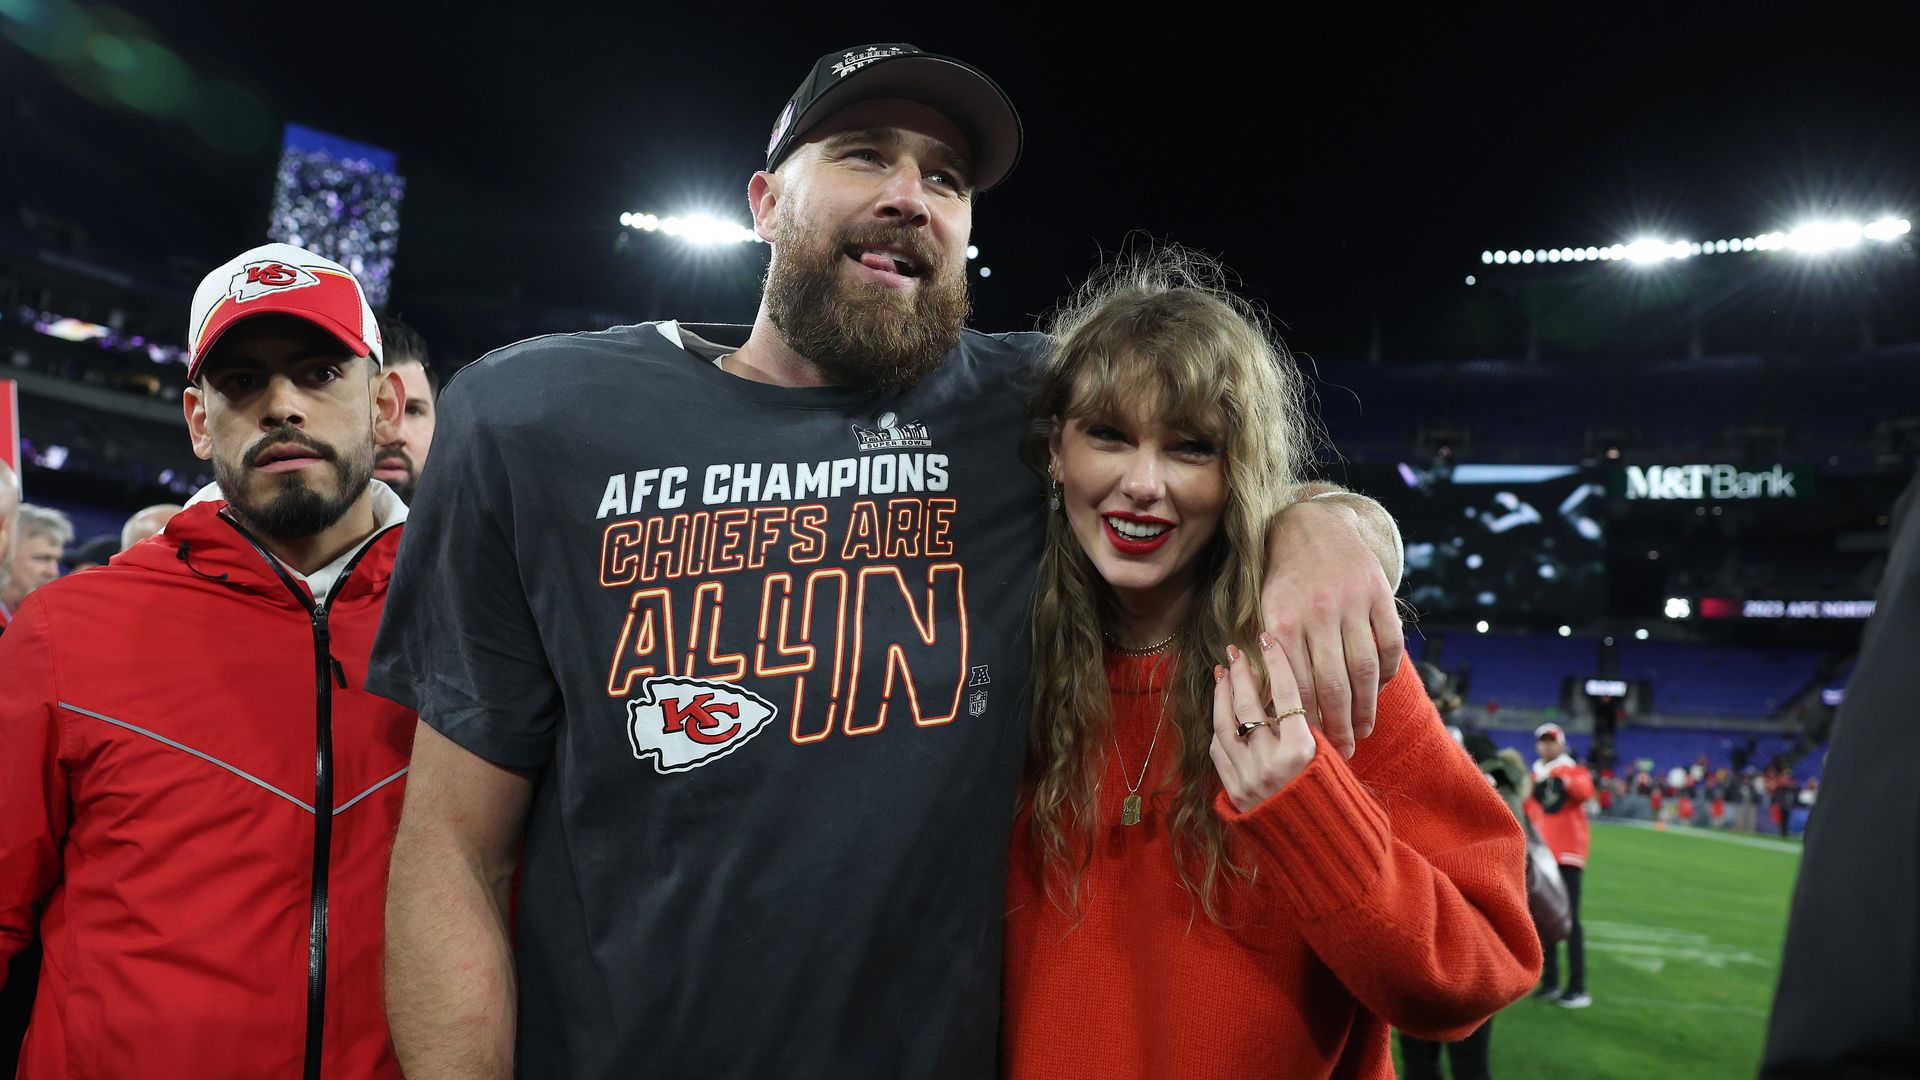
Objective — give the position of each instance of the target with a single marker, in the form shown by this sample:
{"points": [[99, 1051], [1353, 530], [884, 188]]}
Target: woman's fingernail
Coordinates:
{"points": [[1219, 673], [1266, 642], [1233, 655]]}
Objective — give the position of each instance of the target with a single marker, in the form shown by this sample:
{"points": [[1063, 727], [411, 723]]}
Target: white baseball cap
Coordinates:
{"points": [[280, 279]]}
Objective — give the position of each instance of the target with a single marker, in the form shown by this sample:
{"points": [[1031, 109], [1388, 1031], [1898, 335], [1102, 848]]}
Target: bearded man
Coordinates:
{"points": [[720, 633], [199, 793]]}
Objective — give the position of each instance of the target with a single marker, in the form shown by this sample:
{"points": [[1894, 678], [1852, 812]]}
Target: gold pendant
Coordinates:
{"points": [[1130, 810]]}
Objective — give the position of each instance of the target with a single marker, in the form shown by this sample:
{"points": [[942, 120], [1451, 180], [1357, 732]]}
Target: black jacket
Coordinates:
{"points": [[1848, 1004]]}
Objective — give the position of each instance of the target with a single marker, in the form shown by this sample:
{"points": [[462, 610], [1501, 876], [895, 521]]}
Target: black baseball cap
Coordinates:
{"points": [[959, 91], [94, 552]]}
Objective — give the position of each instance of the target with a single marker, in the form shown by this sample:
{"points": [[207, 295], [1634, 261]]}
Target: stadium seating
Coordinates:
{"points": [[1518, 671], [1691, 679]]}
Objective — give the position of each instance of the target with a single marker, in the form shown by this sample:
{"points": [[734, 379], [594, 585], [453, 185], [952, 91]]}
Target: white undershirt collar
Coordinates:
{"points": [[388, 511]]}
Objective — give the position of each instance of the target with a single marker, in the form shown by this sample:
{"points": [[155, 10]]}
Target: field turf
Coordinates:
{"points": [[1683, 948]]}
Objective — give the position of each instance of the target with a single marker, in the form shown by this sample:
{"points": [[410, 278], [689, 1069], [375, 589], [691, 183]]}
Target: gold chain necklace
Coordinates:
{"points": [[1154, 649], [1130, 806]]}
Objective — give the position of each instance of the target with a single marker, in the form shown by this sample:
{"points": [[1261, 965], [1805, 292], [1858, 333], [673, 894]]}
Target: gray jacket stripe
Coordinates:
{"points": [[241, 773], [369, 791]]}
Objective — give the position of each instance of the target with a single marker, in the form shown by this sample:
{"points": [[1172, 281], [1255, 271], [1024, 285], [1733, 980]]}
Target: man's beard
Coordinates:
{"points": [[293, 511], [403, 488], [862, 334]]}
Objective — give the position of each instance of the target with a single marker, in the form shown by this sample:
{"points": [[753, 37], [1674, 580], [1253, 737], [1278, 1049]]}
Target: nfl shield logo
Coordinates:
{"points": [[977, 703]]}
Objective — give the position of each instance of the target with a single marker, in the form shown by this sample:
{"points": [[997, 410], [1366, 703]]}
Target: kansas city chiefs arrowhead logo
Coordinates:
{"points": [[685, 723], [257, 279]]}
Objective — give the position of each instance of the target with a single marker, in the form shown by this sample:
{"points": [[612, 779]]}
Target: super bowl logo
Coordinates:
{"points": [[684, 723], [257, 279], [780, 127], [891, 434]]}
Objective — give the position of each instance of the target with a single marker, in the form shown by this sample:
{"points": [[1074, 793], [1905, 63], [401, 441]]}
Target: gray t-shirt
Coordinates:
{"points": [[767, 648]]}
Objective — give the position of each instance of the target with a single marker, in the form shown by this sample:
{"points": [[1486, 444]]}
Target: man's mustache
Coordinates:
{"points": [[289, 435]]}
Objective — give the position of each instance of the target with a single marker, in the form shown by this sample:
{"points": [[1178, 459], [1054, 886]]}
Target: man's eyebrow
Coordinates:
{"points": [[890, 136], [253, 363], [839, 139]]}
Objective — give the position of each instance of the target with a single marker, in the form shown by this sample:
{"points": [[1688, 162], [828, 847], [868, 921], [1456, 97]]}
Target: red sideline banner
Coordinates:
{"points": [[10, 424]]}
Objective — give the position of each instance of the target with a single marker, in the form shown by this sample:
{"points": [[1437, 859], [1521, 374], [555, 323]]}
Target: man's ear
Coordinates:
{"points": [[389, 401], [763, 201], [193, 403]]}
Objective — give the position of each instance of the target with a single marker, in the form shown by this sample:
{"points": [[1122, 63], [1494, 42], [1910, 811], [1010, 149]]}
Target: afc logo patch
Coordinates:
{"points": [[685, 723]]}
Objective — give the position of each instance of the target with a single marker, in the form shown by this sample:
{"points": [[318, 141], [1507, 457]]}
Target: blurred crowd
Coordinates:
{"points": [[1744, 798]]}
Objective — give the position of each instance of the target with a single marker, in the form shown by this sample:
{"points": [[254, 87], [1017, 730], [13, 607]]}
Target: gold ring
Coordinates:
{"points": [[1247, 726], [1295, 711]]}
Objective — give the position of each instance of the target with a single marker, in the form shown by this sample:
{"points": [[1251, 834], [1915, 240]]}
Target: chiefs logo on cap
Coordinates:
{"points": [[685, 723], [257, 279]]}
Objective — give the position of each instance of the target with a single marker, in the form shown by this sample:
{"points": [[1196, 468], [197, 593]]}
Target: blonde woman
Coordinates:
{"points": [[1200, 884]]}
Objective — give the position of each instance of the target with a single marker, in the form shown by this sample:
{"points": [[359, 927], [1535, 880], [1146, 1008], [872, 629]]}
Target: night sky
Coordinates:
{"points": [[1350, 167]]}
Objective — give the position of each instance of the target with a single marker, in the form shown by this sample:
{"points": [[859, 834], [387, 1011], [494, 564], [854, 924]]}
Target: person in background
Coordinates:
{"points": [[400, 461], [44, 536], [1470, 1058], [1557, 811], [146, 522], [9, 531], [16, 994], [91, 553]]}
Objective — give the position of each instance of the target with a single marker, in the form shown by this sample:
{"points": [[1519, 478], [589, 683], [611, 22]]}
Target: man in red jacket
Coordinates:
{"points": [[1557, 809], [198, 793]]}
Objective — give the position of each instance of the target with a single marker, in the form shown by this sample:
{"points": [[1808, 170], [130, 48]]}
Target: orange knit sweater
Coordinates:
{"points": [[1390, 890]]}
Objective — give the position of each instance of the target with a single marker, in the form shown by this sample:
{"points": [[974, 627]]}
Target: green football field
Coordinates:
{"points": [[1683, 948]]}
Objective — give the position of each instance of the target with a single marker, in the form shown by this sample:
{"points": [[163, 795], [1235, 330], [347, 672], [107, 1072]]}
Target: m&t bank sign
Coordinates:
{"points": [[1707, 483]]}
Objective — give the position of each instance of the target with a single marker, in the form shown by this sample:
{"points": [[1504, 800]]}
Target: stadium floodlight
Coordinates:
{"points": [[986, 271], [1646, 251], [1679, 608], [1887, 228], [1820, 237], [1640, 634], [1481, 626], [1566, 631], [1814, 238], [699, 230], [973, 252]]}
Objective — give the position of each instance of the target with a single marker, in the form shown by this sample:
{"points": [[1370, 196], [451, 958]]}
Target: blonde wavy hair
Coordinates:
{"points": [[1158, 330]]}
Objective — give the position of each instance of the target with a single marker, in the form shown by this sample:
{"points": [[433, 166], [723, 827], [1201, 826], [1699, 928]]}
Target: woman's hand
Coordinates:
{"points": [[1277, 745]]}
